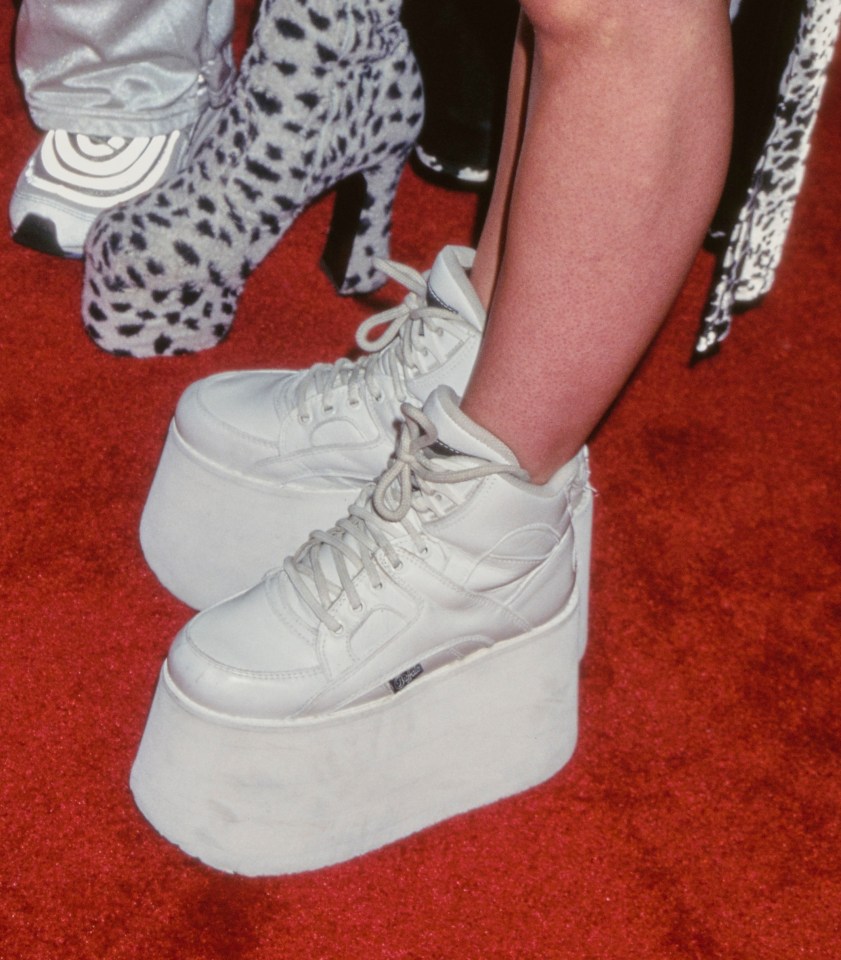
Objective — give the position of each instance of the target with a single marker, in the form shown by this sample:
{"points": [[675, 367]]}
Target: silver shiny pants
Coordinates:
{"points": [[123, 67]]}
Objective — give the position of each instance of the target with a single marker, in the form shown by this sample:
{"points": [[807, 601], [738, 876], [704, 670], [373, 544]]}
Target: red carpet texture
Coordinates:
{"points": [[699, 817]]}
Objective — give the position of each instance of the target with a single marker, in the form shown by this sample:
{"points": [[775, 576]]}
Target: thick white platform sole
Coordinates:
{"points": [[267, 798], [208, 533]]}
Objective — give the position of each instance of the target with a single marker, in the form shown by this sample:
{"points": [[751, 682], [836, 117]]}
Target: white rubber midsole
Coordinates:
{"points": [[274, 797], [208, 533]]}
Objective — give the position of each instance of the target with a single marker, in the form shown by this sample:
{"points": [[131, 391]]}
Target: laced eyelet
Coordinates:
{"points": [[304, 418], [339, 631], [354, 403], [423, 552], [328, 409], [378, 398]]}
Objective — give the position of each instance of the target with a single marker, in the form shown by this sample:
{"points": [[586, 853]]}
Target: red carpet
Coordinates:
{"points": [[700, 815]]}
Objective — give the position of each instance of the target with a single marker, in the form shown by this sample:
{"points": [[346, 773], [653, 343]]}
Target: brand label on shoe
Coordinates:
{"points": [[433, 300], [441, 449], [403, 680]]}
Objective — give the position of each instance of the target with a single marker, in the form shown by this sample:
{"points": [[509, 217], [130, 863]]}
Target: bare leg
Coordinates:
{"points": [[489, 251], [623, 155]]}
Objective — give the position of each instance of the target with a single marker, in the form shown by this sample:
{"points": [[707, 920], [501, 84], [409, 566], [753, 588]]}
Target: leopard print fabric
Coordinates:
{"points": [[329, 94], [755, 247]]}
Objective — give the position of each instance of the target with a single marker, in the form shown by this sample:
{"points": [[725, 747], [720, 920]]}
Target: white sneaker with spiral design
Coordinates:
{"points": [[256, 460], [417, 660], [71, 178]]}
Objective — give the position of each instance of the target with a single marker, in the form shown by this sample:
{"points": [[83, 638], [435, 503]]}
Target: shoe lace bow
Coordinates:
{"points": [[411, 480], [413, 332]]}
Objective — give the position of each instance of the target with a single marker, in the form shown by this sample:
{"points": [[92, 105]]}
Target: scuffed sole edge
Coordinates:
{"points": [[269, 798]]}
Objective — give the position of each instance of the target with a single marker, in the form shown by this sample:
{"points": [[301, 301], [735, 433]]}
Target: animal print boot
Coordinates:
{"points": [[329, 95]]}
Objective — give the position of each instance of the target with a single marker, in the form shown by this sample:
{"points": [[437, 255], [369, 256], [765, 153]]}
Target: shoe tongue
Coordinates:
{"points": [[448, 285], [459, 444], [459, 435]]}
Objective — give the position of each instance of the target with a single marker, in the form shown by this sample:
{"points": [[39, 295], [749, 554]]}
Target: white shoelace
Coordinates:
{"points": [[413, 332], [410, 481]]}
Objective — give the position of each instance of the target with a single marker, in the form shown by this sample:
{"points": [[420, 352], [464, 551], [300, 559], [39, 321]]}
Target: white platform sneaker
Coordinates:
{"points": [[254, 461], [418, 660]]}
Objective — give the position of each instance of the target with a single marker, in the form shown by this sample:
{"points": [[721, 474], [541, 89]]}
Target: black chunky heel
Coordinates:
{"points": [[344, 225], [360, 229]]}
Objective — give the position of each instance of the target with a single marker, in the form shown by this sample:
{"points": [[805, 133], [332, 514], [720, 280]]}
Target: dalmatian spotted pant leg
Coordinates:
{"points": [[329, 94]]}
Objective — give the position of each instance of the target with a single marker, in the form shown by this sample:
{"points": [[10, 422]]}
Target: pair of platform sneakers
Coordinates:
{"points": [[414, 660]]}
